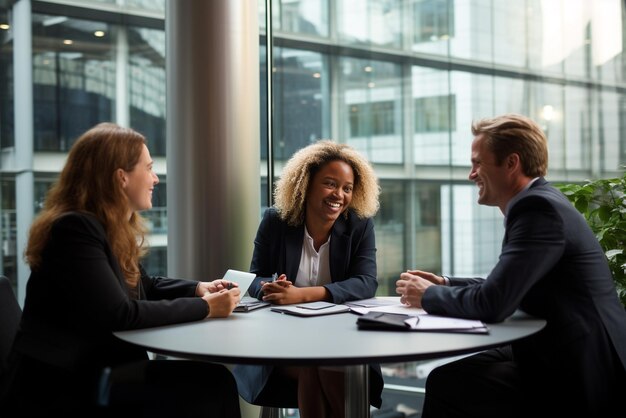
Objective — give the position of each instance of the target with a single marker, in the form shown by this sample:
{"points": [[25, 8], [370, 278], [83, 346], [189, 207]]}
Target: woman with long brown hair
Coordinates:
{"points": [[84, 251]]}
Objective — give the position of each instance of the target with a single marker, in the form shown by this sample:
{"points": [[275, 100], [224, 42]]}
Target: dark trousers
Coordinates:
{"points": [[482, 385], [150, 388], [491, 384]]}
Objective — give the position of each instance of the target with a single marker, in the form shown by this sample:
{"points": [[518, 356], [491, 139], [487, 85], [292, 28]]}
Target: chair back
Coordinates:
{"points": [[10, 314]]}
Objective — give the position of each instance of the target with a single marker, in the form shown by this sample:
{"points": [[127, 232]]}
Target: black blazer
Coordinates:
{"points": [[78, 297], [278, 246], [551, 266], [277, 249]]}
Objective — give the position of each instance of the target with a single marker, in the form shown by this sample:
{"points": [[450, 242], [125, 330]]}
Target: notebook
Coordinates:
{"points": [[244, 280], [311, 309]]}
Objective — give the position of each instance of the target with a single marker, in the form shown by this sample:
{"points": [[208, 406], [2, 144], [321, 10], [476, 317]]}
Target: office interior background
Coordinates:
{"points": [[400, 80]]}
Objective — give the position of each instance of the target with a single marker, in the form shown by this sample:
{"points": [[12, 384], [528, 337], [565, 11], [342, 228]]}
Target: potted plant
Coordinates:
{"points": [[603, 204]]}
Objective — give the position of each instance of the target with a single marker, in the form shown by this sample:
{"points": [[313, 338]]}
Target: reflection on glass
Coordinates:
{"points": [[370, 111], [74, 79], [434, 115], [7, 133], [146, 75], [389, 227], [300, 93], [433, 26], [306, 17], [364, 22]]}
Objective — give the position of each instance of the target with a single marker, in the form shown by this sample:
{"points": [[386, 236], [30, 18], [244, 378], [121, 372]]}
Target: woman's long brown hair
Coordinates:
{"points": [[89, 183]]}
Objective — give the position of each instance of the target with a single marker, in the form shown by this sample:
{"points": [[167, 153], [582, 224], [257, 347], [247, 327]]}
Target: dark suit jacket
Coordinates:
{"points": [[78, 297], [277, 249], [551, 266], [278, 246]]}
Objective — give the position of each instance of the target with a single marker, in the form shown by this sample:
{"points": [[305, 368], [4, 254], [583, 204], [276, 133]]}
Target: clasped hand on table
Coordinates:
{"points": [[281, 291]]}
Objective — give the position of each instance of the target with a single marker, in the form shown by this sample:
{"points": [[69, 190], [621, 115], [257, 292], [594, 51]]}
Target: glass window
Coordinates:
{"points": [[473, 33], [435, 114], [74, 79], [364, 22], [389, 226], [307, 17], [509, 32], [370, 113], [8, 228], [432, 116], [7, 133], [434, 25], [146, 77], [300, 96]]}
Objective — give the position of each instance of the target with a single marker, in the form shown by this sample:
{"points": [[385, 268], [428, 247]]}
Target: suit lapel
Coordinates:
{"points": [[339, 247], [294, 237]]}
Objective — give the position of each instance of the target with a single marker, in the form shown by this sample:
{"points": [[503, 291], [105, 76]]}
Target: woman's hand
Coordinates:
{"points": [[214, 286], [281, 291], [223, 302]]}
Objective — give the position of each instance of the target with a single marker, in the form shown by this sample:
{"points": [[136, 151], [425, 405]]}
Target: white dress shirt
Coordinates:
{"points": [[314, 269]]}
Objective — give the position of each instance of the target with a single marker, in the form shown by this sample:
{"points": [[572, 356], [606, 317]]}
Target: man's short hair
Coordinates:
{"points": [[515, 134]]}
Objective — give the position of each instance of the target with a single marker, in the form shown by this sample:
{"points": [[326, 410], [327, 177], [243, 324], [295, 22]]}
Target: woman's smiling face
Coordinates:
{"points": [[330, 192]]}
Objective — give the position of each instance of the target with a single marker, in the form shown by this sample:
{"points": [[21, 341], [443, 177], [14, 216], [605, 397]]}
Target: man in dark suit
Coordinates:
{"points": [[552, 267]]}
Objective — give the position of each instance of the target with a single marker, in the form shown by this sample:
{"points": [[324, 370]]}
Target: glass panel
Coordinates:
{"points": [[610, 121], [475, 99], [577, 123], [8, 229], [389, 228], [363, 22], [426, 212], [471, 233], [74, 79], [434, 116], [509, 33], [473, 34], [370, 110], [300, 93], [129, 5], [434, 26], [7, 133], [308, 17], [146, 77]]}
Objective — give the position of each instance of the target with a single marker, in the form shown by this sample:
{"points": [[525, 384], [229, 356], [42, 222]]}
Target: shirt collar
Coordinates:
{"points": [[517, 197]]}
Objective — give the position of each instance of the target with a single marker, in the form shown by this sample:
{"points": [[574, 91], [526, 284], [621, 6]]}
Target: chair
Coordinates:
{"points": [[10, 314]]}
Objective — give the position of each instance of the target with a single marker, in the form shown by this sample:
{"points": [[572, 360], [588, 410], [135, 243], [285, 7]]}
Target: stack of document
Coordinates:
{"points": [[431, 323], [311, 309], [389, 314]]}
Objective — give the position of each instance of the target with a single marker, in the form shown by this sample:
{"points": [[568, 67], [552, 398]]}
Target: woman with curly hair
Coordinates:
{"points": [[318, 240]]}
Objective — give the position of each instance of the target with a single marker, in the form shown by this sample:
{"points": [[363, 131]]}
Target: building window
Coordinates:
{"points": [[435, 114]]}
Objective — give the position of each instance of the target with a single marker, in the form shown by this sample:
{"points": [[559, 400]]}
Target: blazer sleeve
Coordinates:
{"points": [[158, 287], [263, 264], [353, 263], [86, 272], [533, 245]]}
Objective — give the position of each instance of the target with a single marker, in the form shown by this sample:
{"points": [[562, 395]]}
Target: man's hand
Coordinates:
{"points": [[412, 285]]}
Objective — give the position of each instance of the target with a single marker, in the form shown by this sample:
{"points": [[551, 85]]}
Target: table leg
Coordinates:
{"points": [[357, 391]]}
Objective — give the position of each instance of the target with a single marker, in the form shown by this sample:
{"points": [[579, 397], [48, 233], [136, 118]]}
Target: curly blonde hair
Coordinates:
{"points": [[292, 187]]}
